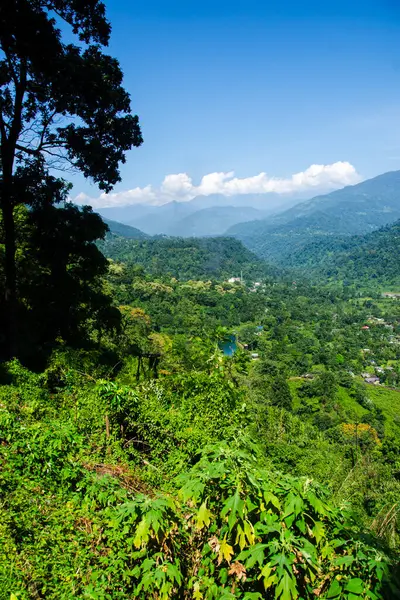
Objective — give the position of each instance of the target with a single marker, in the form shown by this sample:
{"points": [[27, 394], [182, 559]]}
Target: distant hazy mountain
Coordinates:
{"points": [[126, 214], [213, 221], [165, 219], [125, 231], [268, 203], [353, 210]]}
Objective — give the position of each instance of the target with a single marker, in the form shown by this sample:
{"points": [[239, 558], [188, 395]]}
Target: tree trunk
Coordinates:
{"points": [[7, 203], [10, 292]]}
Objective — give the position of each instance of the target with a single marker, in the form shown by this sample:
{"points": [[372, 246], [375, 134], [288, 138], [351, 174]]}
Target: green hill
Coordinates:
{"points": [[370, 257], [191, 258], [126, 231]]}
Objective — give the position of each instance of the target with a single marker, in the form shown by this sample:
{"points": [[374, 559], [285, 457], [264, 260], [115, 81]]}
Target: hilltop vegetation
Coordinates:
{"points": [[362, 259], [208, 258], [126, 231], [162, 467]]}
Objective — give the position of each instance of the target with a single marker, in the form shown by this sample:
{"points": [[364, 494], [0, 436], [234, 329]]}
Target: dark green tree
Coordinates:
{"points": [[59, 269], [280, 393], [61, 105]]}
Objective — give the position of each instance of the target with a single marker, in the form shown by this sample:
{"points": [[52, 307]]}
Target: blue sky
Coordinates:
{"points": [[258, 87]]}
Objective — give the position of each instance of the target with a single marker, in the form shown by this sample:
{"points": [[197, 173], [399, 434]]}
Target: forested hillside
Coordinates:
{"points": [[363, 259], [209, 258], [357, 209], [127, 231], [165, 433]]}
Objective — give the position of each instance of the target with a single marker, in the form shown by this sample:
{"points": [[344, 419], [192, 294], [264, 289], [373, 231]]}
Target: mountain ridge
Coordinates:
{"points": [[353, 210]]}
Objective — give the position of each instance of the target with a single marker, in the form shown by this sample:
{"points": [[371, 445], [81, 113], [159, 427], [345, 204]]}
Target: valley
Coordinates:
{"points": [[199, 340]]}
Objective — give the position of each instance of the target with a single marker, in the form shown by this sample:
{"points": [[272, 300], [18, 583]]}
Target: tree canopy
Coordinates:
{"points": [[62, 105]]}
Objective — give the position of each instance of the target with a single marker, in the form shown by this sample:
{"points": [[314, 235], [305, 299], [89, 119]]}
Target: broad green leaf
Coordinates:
{"points": [[334, 589], [300, 523], [355, 585], [316, 504], [234, 508], [318, 531], [270, 498], [249, 532], [344, 560], [286, 589], [255, 554], [141, 534], [203, 517], [174, 573]]}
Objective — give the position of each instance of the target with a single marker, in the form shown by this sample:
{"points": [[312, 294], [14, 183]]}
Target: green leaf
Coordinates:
{"points": [[141, 534], [318, 531], [234, 507], [316, 504], [270, 498], [254, 554], [286, 589], [174, 573], [355, 585], [203, 517], [344, 560], [334, 589]]}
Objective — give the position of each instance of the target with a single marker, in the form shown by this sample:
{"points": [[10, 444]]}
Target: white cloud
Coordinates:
{"points": [[180, 186]]}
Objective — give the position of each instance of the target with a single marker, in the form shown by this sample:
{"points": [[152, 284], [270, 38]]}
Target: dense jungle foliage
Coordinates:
{"points": [[150, 465], [364, 259], [166, 433], [193, 258]]}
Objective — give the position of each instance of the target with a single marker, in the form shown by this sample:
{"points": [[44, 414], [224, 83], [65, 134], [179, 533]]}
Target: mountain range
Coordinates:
{"points": [[202, 216], [352, 232], [353, 210]]}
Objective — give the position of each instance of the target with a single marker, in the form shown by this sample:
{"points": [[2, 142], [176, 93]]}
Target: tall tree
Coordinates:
{"points": [[280, 393], [62, 105]]}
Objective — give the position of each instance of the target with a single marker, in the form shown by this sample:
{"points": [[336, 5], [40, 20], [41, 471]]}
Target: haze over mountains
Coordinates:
{"points": [[353, 210], [320, 233], [209, 215]]}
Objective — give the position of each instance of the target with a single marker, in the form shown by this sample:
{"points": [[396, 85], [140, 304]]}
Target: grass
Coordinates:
{"points": [[389, 402]]}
